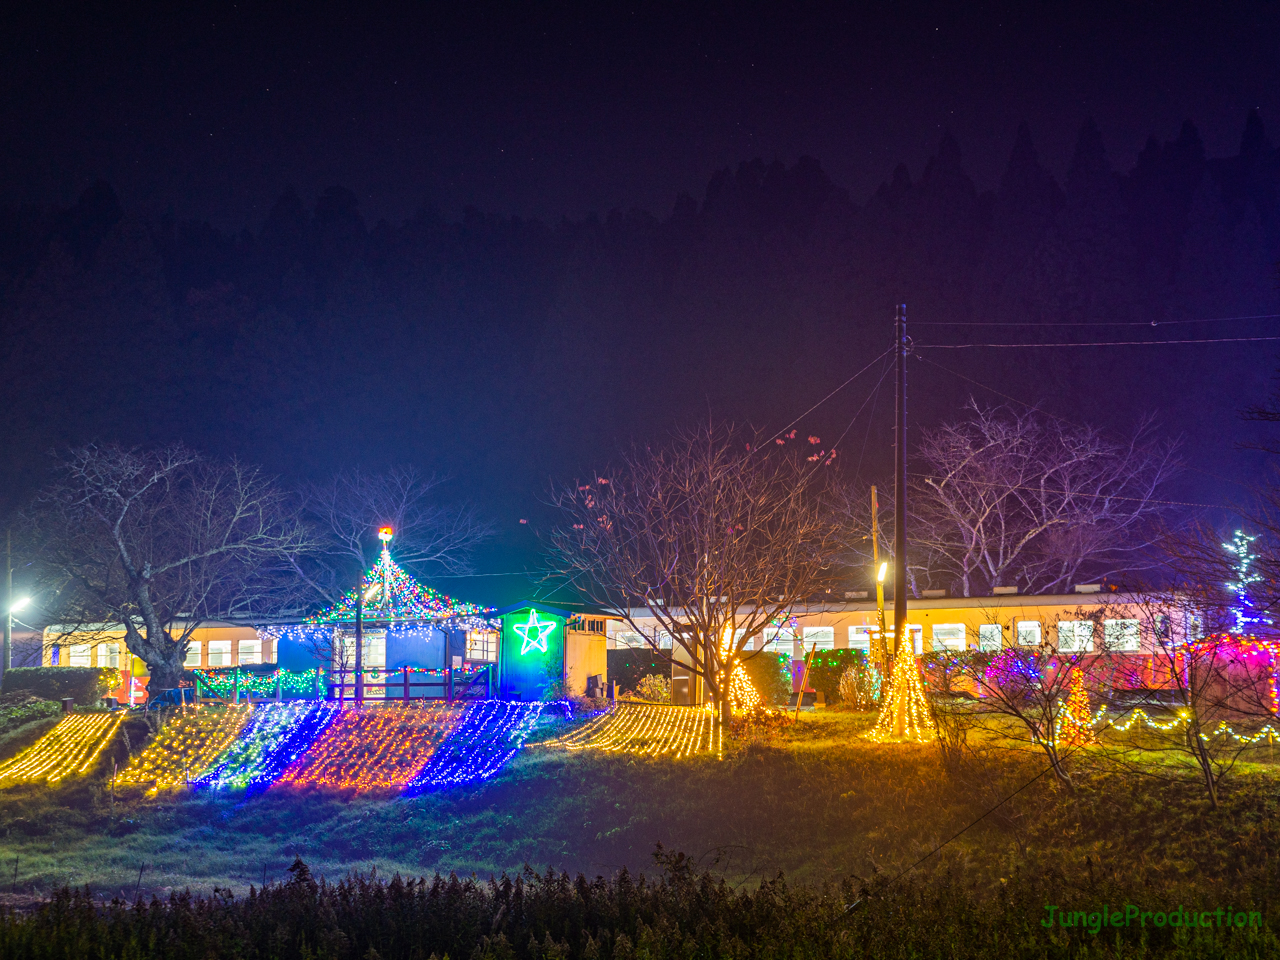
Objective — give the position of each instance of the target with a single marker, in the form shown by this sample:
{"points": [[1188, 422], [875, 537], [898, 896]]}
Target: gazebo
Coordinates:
{"points": [[392, 624]]}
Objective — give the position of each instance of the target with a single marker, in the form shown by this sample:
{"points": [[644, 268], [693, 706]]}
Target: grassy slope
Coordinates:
{"points": [[819, 804]]}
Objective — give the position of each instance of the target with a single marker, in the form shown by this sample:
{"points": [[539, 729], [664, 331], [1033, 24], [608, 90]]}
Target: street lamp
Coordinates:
{"points": [[8, 629]]}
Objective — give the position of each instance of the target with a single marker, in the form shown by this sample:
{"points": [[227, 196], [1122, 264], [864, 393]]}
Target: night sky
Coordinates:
{"points": [[550, 110], [508, 354]]}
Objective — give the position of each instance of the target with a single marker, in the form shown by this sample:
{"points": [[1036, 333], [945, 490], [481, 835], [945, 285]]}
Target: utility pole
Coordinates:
{"points": [[878, 655], [6, 657], [900, 489], [900, 485]]}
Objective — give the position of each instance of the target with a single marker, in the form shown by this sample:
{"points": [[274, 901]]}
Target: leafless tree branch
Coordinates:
{"points": [[161, 541], [714, 536]]}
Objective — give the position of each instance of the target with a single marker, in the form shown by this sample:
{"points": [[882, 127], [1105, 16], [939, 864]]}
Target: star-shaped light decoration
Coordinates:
{"points": [[534, 632]]}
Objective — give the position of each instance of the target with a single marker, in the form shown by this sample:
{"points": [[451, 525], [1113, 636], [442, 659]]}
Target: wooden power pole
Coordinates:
{"points": [[900, 502], [878, 650]]}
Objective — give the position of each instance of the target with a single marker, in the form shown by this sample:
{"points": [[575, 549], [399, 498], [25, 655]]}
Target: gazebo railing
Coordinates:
{"points": [[402, 683]]}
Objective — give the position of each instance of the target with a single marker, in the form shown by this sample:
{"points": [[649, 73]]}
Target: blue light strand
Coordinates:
{"points": [[277, 735], [489, 735]]}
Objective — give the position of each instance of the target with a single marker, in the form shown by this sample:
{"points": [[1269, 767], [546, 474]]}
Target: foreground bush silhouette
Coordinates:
{"points": [[540, 917]]}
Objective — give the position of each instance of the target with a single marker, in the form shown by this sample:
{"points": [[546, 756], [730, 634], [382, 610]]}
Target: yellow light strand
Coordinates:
{"points": [[905, 714], [647, 730], [185, 746], [742, 692], [70, 749]]}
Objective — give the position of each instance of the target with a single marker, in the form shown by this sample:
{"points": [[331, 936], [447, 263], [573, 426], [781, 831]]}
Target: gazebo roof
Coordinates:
{"points": [[393, 596]]}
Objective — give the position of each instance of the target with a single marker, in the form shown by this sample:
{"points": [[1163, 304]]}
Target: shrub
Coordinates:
{"points": [[654, 688], [944, 670], [85, 684], [19, 709], [770, 674], [759, 723], [828, 667], [681, 913], [627, 666], [860, 686]]}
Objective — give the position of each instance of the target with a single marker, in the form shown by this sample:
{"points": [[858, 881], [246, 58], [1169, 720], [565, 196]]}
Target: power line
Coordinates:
{"points": [[1102, 343], [831, 394], [1074, 493], [753, 451], [875, 391], [1088, 323]]}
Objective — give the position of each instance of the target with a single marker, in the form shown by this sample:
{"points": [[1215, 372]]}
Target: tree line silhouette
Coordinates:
{"points": [[507, 348]]}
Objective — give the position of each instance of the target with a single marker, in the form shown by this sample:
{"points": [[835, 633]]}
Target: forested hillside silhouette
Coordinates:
{"points": [[510, 350]]}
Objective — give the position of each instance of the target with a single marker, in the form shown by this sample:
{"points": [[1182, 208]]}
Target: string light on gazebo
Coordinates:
{"points": [[388, 594]]}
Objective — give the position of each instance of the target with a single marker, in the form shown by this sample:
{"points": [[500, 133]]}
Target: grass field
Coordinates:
{"points": [[818, 804]]}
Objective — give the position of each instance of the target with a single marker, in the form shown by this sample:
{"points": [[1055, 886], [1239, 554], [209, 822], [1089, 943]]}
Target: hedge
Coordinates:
{"points": [[770, 674], [14, 715], [828, 667], [84, 684]]}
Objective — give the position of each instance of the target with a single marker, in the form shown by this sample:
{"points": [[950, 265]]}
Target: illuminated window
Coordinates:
{"points": [[482, 645], [824, 637], [1121, 635], [1029, 633], [780, 640], [1075, 636], [375, 651], [948, 636], [1195, 627], [250, 651], [219, 653], [860, 638], [109, 655], [916, 632], [79, 655], [629, 639], [990, 636], [193, 654]]}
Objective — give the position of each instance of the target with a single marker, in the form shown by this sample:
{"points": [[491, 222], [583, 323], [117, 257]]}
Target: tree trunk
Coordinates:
{"points": [[165, 674], [1202, 760], [1059, 771]]}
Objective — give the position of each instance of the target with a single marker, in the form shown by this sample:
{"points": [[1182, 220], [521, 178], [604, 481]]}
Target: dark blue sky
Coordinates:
{"points": [[509, 354]]}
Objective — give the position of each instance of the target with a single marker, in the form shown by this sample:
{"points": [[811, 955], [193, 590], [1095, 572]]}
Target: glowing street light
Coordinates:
{"points": [[884, 568], [14, 605]]}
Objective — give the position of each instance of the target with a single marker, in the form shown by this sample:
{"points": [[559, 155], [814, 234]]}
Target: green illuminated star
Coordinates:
{"points": [[543, 629]]}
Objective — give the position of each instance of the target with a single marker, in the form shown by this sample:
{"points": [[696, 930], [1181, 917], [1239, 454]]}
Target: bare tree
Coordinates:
{"points": [[349, 509], [334, 647], [161, 541], [1211, 680], [1008, 499], [1030, 686], [715, 536]]}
